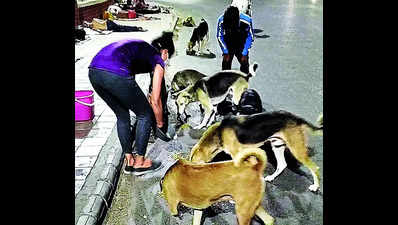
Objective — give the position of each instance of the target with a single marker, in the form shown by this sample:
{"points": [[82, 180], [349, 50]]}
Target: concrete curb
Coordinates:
{"points": [[106, 185], [99, 201]]}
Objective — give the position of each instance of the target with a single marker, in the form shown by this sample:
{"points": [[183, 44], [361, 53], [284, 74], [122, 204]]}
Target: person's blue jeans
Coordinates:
{"points": [[122, 94]]}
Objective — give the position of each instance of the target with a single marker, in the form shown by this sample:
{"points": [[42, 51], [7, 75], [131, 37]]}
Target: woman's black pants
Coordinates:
{"points": [[122, 94]]}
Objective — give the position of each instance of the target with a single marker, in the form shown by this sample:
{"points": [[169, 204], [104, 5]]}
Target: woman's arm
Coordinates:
{"points": [[155, 99]]}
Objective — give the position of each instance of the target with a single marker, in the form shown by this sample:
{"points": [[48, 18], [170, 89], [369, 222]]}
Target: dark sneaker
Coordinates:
{"points": [[128, 169], [160, 134], [140, 171]]}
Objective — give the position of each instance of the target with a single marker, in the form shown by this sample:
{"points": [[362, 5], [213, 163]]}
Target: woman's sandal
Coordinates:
{"points": [[140, 171], [128, 169]]}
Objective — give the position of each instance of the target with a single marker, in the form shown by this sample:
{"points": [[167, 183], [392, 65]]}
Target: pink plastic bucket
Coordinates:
{"points": [[131, 14], [84, 105]]}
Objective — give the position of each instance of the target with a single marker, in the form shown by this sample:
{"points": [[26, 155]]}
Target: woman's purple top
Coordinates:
{"points": [[127, 57]]}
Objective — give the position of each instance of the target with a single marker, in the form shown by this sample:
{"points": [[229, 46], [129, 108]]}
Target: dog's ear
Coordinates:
{"points": [[175, 94], [188, 89]]}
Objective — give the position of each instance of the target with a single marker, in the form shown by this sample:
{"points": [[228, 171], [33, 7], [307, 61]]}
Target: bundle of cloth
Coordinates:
{"points": [[250, 103]]}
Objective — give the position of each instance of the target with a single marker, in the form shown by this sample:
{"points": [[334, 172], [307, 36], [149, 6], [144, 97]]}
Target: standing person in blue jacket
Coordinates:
{"points": [[112, 74], [235, 37]]}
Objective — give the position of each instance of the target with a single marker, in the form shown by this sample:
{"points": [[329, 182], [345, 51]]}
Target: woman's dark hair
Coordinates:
{"points": [[165, 41], [231, 18]]}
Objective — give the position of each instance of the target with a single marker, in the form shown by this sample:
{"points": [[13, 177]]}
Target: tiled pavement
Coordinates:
{"points": [[88, 148]]}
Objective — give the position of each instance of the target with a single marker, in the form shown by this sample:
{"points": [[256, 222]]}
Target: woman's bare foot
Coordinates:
{"points": [[129, 159], [141, 162]]}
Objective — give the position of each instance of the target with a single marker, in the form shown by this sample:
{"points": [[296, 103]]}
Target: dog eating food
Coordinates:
{"points": [[210, 91]]}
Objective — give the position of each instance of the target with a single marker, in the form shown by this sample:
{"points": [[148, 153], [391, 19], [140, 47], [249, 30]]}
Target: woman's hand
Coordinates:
{"points": [[149, 98], [227, 57], [243, 59]]}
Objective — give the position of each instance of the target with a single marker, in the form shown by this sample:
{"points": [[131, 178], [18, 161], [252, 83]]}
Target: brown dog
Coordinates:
{"points": [[198, 186], [281, 128]]}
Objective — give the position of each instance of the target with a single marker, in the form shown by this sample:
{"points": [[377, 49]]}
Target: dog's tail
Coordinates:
{"points": [[252, 70], [320, 120], [311, 128], [314, 130], [243, 157]]}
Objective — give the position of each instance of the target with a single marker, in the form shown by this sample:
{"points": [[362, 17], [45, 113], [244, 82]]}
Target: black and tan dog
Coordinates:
{"points": [[199, 37], [212, 90], [198, 186], [183, 79], [281, 128]]}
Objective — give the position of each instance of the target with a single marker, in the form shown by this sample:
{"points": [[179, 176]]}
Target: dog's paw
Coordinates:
{"points": [[313, 187], [269, 178]]}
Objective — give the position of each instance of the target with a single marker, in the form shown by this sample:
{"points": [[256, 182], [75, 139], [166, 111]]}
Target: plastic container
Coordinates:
{"points": [[84, 105]]}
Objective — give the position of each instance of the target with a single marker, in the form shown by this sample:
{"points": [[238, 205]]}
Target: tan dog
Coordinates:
{"points": [[198, 186], [281, 128]]}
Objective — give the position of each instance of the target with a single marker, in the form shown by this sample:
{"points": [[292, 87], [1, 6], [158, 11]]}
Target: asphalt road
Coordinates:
{"points": [[288, 47]]}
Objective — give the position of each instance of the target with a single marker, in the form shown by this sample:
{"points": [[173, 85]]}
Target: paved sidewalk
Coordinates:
{"points": [[101, 141]]}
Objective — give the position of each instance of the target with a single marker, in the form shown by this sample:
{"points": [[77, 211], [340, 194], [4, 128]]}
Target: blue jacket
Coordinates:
{"points": [[242, 40]]}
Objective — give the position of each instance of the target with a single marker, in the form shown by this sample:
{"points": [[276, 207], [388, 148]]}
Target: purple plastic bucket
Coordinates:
{"points": [[84, 105]]}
